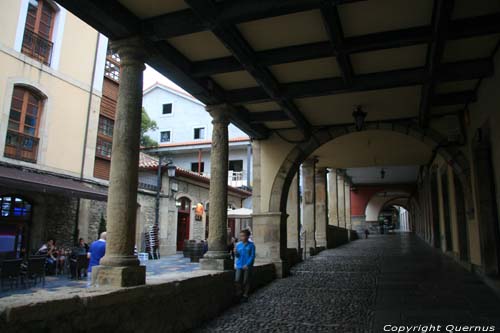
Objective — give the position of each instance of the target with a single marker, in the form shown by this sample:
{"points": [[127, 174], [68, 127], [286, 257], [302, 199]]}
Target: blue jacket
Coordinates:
{"points": [[246, 254], [97, 251]]}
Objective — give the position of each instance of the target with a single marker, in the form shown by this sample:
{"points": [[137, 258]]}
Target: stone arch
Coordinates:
{"points": [[185, 195], [454, 157], [383, 203]]}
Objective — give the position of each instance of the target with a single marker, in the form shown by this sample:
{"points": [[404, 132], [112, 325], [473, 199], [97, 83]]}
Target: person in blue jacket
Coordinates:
{"points": [[245, 255]]}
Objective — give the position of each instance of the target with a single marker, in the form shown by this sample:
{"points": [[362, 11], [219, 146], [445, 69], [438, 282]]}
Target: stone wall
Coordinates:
{"points": [[337, 236], [168, 306]]}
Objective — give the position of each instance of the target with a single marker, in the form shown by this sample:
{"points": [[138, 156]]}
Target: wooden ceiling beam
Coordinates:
{"points": [[457, 71], [331, 21], [462, 28], [232, 39], [228, 12], [441, 17]]}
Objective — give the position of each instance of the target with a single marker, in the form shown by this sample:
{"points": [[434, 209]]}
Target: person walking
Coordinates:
{"points": [[245, 256]]}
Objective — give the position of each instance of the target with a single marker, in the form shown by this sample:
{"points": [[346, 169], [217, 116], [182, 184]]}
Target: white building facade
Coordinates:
{"points": [[184, 134]]}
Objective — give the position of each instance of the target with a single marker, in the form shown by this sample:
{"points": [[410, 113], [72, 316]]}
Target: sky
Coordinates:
{"points": [[151, 76]]}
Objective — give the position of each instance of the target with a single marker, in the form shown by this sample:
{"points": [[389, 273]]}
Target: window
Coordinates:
{"points": [[236, 165], [24, 118], [167, 108], [106, 126], [112, 67], [14, 207], [165, 136], [103, 148], [199, 133], [38, 31], [194, 167]]}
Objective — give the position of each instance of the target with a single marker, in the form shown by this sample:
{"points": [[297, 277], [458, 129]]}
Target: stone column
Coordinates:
{"points": [[293, 211], [309, 204], [321, 207], [333, 208], [341, 200], [348, 205], [217, 257], [120, 267]]}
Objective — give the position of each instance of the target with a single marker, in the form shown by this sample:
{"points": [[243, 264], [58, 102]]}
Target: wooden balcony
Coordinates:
{"points": [[37, 47], [21, 146]]}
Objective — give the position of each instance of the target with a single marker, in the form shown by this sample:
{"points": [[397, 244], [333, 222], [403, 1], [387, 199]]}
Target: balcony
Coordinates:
{"points": [[37, 47], [21, 147]]}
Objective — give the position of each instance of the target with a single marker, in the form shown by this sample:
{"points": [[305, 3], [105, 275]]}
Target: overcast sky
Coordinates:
{"points": [[151, 77]]}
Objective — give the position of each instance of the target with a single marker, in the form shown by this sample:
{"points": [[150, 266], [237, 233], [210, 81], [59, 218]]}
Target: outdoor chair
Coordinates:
{"points": [[36, 269], [81, 264], [11, 270]]}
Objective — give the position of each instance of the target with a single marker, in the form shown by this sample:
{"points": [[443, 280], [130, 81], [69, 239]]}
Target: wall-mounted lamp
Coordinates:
{"points": [[171, 168], [359, 117]]}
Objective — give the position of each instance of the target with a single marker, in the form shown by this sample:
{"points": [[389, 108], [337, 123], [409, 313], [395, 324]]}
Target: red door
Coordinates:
{"points": [[182, 230]]}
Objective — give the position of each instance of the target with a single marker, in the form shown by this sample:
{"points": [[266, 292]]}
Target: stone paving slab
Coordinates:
{"points": [[364, 285]]}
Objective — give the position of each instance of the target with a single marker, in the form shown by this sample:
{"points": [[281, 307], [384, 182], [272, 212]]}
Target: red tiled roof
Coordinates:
{"points": [[147, 161], [201, 142], [151, 163]]}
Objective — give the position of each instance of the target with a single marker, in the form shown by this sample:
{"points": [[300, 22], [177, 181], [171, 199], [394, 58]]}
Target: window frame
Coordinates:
{"points": [[233, 161], [29, 49], [24, 110], [171, 109], [169, 136], [199, 128], [195, 164]]}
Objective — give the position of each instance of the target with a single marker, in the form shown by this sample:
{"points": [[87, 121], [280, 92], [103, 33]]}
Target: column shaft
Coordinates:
{"points": [[122, 194], [217, 257], [332, 198], [292, 210], [321, 208], [309, 204], [341, 201]]}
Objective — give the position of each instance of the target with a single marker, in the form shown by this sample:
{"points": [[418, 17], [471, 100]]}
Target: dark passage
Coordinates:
{"points": [[364, 285]]}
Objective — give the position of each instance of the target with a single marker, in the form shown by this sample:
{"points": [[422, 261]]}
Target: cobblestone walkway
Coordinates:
{"points": [[360, 287]]}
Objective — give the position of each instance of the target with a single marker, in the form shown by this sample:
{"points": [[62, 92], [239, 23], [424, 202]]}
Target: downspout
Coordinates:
{"points": [[249, 164], [85, 136]]}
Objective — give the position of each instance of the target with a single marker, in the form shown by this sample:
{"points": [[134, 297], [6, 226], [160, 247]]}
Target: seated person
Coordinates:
{"points": [[49, 249]]}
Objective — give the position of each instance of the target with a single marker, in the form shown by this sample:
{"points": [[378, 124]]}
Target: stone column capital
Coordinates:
{"points": [[219, 113], [310, 162], [321, 171], [132, 51]]}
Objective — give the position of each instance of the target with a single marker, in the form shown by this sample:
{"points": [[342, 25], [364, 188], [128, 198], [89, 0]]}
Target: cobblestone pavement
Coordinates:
{"points": [[363, 286]]}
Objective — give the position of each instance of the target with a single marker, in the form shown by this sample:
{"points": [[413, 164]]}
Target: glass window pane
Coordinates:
{"points": [[30, 121], [29, 130], [14, 115]]}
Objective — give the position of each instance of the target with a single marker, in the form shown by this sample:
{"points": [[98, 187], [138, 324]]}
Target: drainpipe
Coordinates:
{"points": [[249, 163], [85, 136], [158, 191]]}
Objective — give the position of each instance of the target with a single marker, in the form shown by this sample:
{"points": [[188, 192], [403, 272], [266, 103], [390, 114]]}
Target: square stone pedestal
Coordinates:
{"points": [[269, 234], [212, 264], [127, 276]]}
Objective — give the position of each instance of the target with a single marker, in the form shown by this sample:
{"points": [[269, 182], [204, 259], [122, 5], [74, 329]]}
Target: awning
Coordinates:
{"points": [[42, 182], [240, 213]]}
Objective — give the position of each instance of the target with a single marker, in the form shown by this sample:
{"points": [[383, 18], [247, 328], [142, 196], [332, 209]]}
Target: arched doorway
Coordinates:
{"points": [[183, 221], [15, 218]]}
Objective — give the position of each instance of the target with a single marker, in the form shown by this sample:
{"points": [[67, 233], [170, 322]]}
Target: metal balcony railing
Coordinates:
{"points": [[21, 146], [37, 47]]}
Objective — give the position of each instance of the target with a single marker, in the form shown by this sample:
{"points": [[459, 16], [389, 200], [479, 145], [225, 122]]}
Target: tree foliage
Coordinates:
{"points": [[147, 124]]}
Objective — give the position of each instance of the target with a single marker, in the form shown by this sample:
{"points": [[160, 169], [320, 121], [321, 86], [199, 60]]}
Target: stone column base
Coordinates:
{"points": [[125, 276], [214, 264]]}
